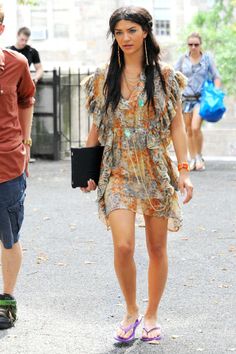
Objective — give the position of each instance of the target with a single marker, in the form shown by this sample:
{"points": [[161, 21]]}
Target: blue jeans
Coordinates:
{"points": [[188, 106], [12, 196]]}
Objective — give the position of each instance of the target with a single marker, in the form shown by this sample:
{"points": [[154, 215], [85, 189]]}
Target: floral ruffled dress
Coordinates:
{"points": [[137, 173]]}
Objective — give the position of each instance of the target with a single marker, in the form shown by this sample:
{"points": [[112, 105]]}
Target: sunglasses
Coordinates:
{"points": [[194, 44]]}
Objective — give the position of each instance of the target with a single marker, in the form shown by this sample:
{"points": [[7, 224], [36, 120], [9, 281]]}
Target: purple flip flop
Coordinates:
{"points": [[133, 326], [152, 340]]}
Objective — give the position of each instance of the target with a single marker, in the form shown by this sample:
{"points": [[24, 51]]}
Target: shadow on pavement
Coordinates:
{"points": [[3, 333], [135, 347]]}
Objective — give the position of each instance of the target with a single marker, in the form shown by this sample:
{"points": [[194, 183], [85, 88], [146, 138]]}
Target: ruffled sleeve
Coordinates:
{"points": [[175, 83], [95, 103], [166, 105]]}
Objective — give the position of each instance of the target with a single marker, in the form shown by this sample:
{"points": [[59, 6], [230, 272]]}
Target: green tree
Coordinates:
{"points": [[218, 30], [28, 2]]}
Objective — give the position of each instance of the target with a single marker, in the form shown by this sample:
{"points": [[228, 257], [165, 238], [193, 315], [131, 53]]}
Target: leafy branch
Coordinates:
{"points": [[218, 30], [28, 2]]}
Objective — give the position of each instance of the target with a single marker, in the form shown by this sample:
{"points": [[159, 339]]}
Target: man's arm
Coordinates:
{"points": [[25, 93], [38, 72], [25, 118], [37, 65]]}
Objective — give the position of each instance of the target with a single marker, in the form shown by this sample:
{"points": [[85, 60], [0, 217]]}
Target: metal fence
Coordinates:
{"points": [[60, 118]]}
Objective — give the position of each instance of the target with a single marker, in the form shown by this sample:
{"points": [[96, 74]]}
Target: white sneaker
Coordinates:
{"points": [[192, 165], [200, 164]]}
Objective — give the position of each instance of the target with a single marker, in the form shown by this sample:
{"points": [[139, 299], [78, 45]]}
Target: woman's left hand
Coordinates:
{"points": [[185, 186], [91, 186]]}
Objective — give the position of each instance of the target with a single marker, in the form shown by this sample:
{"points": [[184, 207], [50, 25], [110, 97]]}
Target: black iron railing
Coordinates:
{"points": [[60, 118]]}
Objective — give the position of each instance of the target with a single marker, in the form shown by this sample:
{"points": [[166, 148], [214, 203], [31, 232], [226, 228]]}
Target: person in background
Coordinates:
{"points": [[197, 66], [31, 54], [17, 91]]}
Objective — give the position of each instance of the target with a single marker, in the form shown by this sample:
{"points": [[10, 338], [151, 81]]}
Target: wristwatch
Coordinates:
{"points": [[27, 141]]}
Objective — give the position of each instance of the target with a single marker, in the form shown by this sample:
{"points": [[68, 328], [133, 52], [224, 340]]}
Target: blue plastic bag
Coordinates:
{"points": [[212, 105]]}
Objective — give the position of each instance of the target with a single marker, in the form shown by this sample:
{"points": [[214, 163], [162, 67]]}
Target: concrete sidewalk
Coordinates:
{"points": [[68, 296]]}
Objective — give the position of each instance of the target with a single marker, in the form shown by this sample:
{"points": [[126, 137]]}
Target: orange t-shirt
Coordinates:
{"points": [[16, 90]]}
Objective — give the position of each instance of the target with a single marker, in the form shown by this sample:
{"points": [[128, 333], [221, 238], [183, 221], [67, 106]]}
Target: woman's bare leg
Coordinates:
{"points": [[188, 126], [196, 129], [197, 137], [122, 224], [156, 238]]}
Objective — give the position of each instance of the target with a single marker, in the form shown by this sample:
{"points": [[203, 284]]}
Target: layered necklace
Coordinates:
{"points": [[131, 84]]}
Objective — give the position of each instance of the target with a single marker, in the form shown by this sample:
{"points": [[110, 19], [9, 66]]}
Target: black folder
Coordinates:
{"points": [[85, 164]]}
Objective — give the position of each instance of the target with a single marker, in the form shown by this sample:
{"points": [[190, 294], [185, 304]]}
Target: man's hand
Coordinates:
{"points": [[27, 158]]}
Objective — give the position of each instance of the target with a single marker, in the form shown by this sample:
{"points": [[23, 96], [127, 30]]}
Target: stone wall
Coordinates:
{"points": [[220, 137]]}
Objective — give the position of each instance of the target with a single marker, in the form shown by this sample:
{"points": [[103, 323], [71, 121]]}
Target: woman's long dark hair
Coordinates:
{"points": [[112, 86]]}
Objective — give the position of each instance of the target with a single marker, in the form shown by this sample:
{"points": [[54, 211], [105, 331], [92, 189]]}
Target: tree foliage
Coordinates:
{"points": [[28, 2], [218, 30]]}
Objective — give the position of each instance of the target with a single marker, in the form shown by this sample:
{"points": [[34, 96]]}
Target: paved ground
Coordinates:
{"points": [[68, 297]]}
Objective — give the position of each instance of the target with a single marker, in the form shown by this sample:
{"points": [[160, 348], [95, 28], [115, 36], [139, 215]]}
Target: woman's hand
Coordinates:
{"points": [[185, 185], [91, 186]]}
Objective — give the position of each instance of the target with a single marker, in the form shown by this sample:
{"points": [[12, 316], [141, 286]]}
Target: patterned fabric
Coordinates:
{"points": [[137, 173]]}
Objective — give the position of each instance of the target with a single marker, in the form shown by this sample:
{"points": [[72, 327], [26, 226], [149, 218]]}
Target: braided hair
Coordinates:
{"points": [[112, 86]]}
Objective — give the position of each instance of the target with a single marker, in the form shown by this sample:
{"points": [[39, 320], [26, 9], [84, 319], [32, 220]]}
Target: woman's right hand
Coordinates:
{"points": [[91, 186]]}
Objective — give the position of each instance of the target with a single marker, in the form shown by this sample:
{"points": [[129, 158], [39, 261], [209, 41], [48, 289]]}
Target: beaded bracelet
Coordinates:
{"points": [[183, 165]]}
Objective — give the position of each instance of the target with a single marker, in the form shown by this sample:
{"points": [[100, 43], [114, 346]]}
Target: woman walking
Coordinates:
{"points": [[197, 67], [135, 101]]}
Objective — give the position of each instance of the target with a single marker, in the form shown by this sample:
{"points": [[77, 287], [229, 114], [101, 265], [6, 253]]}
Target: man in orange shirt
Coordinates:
{"points": [[16, 110]]}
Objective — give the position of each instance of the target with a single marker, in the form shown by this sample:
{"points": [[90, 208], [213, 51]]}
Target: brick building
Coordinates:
{"points": [[73, 32]]}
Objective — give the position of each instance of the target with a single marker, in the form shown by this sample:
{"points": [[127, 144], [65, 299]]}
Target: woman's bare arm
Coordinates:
{"points": [[92, 139], [178, 135], [179, 139]]}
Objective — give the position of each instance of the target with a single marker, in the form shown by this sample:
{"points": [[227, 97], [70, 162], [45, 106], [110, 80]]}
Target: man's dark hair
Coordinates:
{"points": [[24, 30], [1, 14]]}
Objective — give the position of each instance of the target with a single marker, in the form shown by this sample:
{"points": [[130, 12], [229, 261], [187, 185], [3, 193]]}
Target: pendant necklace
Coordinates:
{"points": [[140, 99]]}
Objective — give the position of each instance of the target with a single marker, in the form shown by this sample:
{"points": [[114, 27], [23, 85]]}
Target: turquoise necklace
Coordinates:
{"points": [[140, 102]]}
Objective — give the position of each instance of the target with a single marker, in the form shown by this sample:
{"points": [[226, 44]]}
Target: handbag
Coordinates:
{"points": [[85, 165], [192, 98], [212, 105]]}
